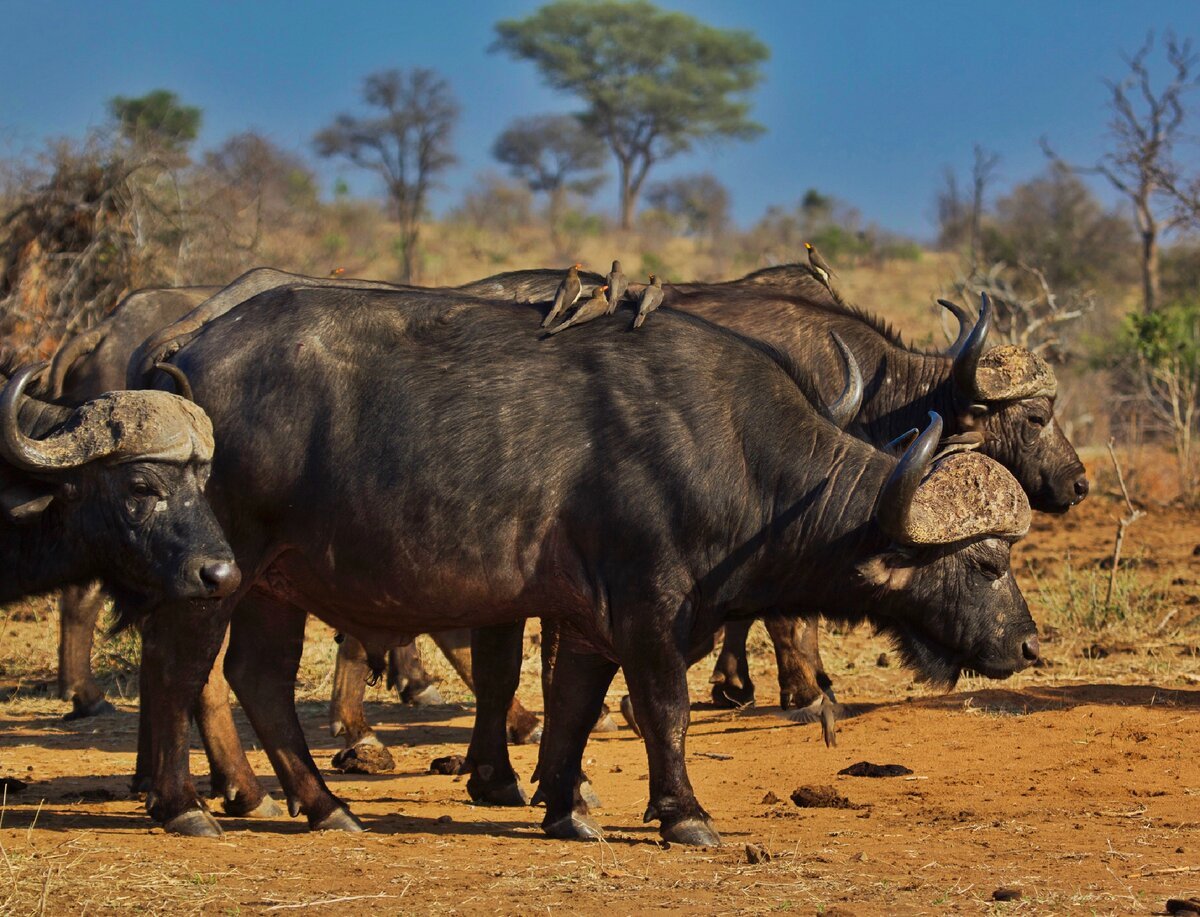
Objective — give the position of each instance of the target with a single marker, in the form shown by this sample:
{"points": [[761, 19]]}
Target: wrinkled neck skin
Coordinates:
{"points": [[818, 527], [902, 387]]}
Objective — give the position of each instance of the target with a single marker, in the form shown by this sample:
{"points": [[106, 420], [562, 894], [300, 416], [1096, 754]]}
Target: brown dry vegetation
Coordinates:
{"points": [[1075, 782]]}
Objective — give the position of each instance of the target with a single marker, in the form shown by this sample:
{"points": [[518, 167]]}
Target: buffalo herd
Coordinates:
{"points": [[397, 460]]}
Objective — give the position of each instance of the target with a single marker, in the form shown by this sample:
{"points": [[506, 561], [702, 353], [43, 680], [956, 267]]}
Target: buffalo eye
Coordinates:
{"points": [[141, 490], [992, 570], [1037, 420]]}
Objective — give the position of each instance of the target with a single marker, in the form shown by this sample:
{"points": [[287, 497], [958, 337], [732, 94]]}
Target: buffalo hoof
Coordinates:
{"points": [[340, 819], [694, 832], [266, 808], [510, 795], [627, 713], [428, 696], [194, 823], [605, 724], [588, 795], [81, 711], [367, 756], [573, 827]]}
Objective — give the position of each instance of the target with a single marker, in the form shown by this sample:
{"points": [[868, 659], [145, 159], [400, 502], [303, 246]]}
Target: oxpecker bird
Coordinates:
{"points": [[617, 282], [591, 309], [817, 263], [566, 295], [652, 298]]}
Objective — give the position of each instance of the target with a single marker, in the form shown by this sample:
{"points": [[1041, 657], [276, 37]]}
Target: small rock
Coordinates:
{"points": [[1196, 551], [1006, 894], [756, 853], [444, 819], [451, 765], [883, 662], [770, 799], [867, 769]]}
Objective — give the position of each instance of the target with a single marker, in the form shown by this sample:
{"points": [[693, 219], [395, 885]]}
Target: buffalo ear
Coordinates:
{"points": [[972, 416], [24, 503], [892, 570]]}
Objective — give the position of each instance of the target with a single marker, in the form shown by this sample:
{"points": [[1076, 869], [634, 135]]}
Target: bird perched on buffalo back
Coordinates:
{"points": [[566, 295], [617, 282], [591, 309], [652, 298], [817, 263]]}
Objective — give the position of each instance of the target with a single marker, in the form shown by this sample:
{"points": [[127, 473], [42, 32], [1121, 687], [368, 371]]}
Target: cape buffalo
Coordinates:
{"points": [[95, 362], [448, 468], [113, 487]]}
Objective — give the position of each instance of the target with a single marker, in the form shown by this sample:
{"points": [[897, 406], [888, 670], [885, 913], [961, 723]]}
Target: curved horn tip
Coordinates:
{"points": [[182, 386], [895, 499], [848, 403], [15, 447]]}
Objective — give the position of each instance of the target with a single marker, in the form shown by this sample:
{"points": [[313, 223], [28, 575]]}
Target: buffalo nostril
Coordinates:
{"points": [[1030, 648], [1081, 488], [220, 577]]}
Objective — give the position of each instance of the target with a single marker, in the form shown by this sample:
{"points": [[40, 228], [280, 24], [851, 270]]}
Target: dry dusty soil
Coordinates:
{"points": [[1075, 785]]}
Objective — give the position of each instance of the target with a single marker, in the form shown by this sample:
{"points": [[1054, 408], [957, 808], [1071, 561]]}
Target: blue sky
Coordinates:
{"points": [[867, 101]]}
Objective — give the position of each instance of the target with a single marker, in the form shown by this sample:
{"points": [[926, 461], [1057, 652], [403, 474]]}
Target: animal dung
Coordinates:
{"points": [[1183, 907], [1006, 894], [867, 769], [821, 797], [11, 785], [770, 798]]}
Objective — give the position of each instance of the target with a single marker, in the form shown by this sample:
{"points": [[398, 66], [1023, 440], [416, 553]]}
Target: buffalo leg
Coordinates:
{"points": [[364, 753], [802, 677], [496, 658], [180, 642], [233, 779], [656, 672], [79, 609], [523, 727], [573, 702], [731, 684], [265, 683]]}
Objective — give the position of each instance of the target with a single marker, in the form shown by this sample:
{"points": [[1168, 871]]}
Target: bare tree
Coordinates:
{"points": [[1146, 125], [1027, 311], [408, 144], [983, 169]]}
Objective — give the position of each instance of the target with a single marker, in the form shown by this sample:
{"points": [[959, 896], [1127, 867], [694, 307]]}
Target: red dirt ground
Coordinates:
{"points": [[1076, 784]]}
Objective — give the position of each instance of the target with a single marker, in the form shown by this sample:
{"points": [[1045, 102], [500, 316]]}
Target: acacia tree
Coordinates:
{"points": [[653, 82], [156, 120], [552, 154], [407, 144], [1146, 126]]}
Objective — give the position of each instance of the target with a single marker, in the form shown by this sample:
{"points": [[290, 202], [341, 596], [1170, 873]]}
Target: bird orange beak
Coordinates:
{"points": [[808, 245]]}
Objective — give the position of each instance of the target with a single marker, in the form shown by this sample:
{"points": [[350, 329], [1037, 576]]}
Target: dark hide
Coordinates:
{"points": [[449, 469]]}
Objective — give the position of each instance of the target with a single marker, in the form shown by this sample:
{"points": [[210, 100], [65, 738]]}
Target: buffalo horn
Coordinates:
{"points": [[845, 409], [967, 358], [182, 387], [891, 510], [15, 447], [964, 326]]}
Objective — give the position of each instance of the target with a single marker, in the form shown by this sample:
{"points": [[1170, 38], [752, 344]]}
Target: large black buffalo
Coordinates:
{"points": [[95, 362], [114, 487], [450, 468]]}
